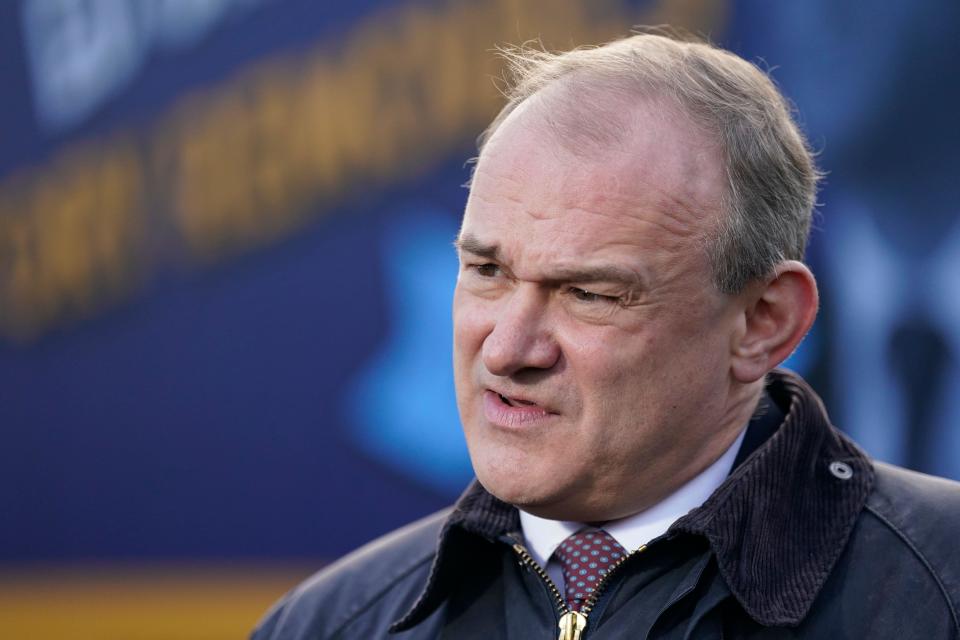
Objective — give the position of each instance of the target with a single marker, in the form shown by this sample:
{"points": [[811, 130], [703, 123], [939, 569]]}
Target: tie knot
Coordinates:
{"points": [[586, 557]]}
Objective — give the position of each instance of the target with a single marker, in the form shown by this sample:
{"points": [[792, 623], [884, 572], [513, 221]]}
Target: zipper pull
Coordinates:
{"points": [[572, 624]]}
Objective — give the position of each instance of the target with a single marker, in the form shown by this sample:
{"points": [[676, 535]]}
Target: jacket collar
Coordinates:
{"points": [[776, 526], [782, 518]]}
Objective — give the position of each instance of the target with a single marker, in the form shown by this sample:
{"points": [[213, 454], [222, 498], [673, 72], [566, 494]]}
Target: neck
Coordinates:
{"points": [[742, 403]]}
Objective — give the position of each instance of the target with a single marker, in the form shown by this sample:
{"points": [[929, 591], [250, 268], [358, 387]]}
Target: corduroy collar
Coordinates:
{"points": [[776, 526]]}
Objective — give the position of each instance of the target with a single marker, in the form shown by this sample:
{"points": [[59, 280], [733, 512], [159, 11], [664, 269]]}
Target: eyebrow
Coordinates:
{"points": [[472, 244], [599, 273], [613, 274]]}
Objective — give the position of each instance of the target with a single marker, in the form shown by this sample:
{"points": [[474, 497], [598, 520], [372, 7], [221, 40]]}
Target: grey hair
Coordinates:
{"points": [[771, 175]]}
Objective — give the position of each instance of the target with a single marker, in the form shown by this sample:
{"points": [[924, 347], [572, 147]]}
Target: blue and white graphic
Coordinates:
{"points": [[83, 53], [403, 403]]}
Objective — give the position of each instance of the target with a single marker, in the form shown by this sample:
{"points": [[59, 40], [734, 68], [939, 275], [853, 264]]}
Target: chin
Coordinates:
{"points": [[519, 489], [510, 485], [541, 498], [503, 486], [514, 474]]}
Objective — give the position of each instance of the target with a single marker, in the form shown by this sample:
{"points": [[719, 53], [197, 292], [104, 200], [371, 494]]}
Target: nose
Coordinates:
{"points": [[521, 337]]}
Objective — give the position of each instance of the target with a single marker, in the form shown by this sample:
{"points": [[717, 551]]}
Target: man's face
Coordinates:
{"points": [[591, 349]]}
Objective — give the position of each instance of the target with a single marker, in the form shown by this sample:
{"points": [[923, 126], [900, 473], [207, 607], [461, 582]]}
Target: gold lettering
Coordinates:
{"points": [[315, 115], [245, 163], [71, 243], [17, 267], [212, 197]]}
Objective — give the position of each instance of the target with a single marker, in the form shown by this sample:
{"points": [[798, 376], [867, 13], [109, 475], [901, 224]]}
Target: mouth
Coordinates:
{"points": [[513, 411], [516, 402]]}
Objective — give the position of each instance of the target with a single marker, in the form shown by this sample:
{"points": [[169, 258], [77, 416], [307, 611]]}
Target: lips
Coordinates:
{"points": [[518, 399], [516, 402], [511, 411]]}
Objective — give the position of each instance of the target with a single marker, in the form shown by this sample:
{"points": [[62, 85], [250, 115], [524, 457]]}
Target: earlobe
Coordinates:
{"points": [[777, 315]]}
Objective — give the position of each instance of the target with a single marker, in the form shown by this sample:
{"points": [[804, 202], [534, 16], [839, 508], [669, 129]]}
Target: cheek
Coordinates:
{"points": [[470, 328], [611, 370], [623, 377], [468, 323], [609, 357]]}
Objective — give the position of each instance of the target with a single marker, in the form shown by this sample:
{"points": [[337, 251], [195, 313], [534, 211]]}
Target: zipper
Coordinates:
{"points": [[572, 623]]}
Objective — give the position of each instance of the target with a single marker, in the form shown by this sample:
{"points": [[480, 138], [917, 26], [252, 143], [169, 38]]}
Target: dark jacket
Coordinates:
{"points": [[807, 538]]}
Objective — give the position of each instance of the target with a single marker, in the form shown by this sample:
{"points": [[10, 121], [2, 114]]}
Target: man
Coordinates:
{"points": [[630, 275]]}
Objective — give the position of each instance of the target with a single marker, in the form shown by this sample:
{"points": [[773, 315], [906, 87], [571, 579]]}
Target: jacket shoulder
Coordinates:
{"points": [[381, 580], [924, 513]]}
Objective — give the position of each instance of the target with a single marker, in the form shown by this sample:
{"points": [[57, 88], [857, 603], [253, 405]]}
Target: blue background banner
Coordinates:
{"points": [[226, 264]]}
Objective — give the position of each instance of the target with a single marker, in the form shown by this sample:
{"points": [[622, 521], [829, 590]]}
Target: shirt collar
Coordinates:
{"points": [[543, 536]]}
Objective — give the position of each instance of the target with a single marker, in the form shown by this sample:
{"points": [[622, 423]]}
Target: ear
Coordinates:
{"points": [[777, 314]]}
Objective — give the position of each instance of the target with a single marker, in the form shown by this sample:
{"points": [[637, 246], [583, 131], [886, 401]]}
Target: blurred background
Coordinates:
{"points": [[226, 273]]}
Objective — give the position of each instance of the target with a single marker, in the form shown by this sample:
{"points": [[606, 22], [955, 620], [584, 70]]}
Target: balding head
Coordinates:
{"points": [[588, 98]]}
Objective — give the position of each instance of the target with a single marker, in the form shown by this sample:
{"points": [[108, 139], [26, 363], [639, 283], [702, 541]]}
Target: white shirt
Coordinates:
{"points": [[543, 536]]}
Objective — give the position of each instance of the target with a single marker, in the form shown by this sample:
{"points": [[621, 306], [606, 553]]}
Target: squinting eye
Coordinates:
{"points": [[588, 296], [487, 270]]}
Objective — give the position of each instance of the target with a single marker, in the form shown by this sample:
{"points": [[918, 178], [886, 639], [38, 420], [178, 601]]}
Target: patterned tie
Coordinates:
{"points": [[586, 557]]}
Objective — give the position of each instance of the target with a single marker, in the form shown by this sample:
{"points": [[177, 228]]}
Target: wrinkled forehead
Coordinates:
{"points": [[577, 149]]}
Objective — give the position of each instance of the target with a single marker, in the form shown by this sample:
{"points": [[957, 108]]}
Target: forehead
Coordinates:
{"points": [[659, 188]]}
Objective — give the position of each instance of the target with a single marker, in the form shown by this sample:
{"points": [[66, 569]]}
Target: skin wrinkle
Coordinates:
{"points": [[561, 274], [626, 380], [735, 109], [677, 214], [678, 233], [679, 208]]}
